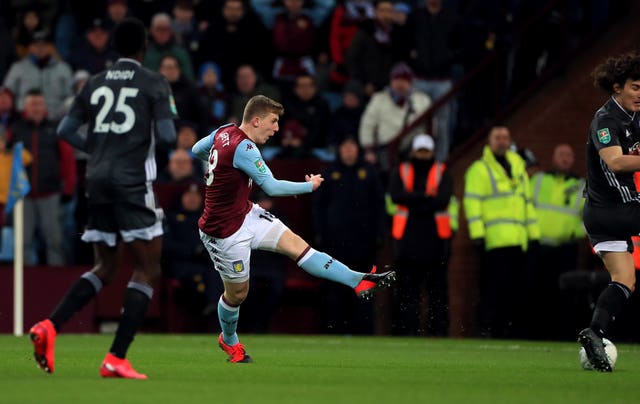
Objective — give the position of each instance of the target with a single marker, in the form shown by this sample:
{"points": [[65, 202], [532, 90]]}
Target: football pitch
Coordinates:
{"points": [[318, 369]]}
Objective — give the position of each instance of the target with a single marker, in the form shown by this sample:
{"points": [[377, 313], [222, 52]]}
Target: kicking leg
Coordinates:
{"points": [[323, 266]]}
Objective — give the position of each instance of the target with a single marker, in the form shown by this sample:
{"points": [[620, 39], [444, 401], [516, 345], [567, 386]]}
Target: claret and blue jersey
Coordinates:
{"points": [[234, 164]]}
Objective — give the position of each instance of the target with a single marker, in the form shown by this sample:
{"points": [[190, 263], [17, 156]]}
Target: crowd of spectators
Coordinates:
{"points": [[227, 51], [347, 71]]}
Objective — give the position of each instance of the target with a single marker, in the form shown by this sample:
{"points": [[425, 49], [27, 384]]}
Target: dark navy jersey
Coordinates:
{"points": [[121, 105], [611, 126]]}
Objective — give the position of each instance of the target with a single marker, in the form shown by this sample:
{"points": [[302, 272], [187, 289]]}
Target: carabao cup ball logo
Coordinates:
{"points": [[604, 136]]}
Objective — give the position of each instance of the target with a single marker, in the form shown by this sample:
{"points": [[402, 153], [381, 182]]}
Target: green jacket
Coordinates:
{"points": [[155, 53], [559, 203], [498, 208]]}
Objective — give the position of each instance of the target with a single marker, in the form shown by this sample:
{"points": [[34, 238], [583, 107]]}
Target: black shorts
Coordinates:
{"points": [[612, 222], [116, 208]]}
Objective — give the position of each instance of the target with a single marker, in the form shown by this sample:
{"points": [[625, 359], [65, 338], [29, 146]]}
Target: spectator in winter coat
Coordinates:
{"points": [[43, 70], [52, 176]]}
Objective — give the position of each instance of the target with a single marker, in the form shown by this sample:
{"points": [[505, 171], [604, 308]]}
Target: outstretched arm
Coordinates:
{"points": [[249, 160]]}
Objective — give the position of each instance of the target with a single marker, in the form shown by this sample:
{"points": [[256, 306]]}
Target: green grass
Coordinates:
{"points": [[313, 369]]}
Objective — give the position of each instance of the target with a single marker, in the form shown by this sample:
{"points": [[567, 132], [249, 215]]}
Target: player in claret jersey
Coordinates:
{"points": [[128, 108], [231, 226]]}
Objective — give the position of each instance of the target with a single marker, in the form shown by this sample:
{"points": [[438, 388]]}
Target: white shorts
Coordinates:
{"points": [[260, 231]]}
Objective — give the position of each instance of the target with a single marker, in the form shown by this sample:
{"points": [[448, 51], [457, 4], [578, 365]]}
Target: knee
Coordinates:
{"points": [[629, 280], [106, 273], [149, 274], [236, 297], [632, 283]]}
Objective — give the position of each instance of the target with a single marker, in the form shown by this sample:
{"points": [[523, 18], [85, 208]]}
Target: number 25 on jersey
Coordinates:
{"points": [[121, 106]]}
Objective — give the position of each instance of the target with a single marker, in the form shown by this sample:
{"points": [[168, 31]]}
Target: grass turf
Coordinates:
{"points": [[318, 369]]}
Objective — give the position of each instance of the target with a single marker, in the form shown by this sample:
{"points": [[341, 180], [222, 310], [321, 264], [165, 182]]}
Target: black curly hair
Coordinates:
{"points": [[130, 37], [617, 70]]}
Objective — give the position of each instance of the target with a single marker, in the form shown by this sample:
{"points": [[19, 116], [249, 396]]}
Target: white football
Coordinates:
{"points": [[609, 348]]}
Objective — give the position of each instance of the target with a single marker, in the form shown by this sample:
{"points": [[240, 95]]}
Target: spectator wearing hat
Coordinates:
{"points": [[41, 69], [95, 53], [422, 188], [388, 112], [349, 219]]}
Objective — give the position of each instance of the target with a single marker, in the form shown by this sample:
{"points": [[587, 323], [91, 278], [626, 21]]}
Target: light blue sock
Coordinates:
{"points": [[228, 317], [322, 265]]}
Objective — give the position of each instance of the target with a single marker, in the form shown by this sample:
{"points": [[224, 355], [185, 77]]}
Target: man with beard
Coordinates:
{"points": [[503, 225]]}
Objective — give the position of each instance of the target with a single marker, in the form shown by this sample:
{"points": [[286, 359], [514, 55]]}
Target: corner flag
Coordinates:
{"points": [[19, 185]]}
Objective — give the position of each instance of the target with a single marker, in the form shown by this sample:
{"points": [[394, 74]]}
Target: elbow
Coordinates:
{"points": [[167, 138], [616, 166], [269, 190], [60, 131]]}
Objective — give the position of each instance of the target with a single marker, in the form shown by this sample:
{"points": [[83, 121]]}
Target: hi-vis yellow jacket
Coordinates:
{"points": [[559, 203], [498, 208]]}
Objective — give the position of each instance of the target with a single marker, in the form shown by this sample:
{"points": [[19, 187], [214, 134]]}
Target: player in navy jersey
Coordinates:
{"points": [[612, 208], [231, 226], [128, 108]]}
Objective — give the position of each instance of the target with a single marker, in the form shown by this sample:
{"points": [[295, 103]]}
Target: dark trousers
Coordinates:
{"points": [[547, 307], [501, 293]]}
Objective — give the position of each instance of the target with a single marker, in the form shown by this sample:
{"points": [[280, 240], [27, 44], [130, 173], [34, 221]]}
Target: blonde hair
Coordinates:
{"points": [[260, 106]]}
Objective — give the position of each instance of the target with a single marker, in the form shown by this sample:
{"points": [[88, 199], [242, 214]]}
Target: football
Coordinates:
{"points": [[609, 348]]}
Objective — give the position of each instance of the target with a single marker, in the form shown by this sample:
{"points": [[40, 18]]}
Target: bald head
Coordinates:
{"points": [[563, 157]]}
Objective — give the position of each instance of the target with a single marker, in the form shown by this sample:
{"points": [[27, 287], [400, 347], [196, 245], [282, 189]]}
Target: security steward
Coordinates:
{"points": [[421, 230], [557, 195], [502, 223]]}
